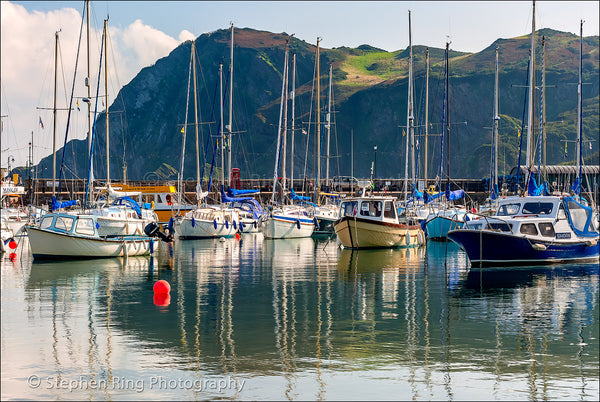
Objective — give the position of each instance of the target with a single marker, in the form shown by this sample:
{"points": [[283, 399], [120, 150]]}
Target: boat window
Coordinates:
{"points": [[388, 210], [539, 208], [370, 208], [508, 209], [547, 229], [46, 222], [503, 226], [579, 215], [561, 214], [529, 229], [349, 208], [64, 223], [85, 226]]}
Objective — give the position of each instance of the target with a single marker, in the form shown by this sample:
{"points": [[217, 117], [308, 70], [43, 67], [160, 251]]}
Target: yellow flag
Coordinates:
{"points": [[181, 129], [518, 133], [403, 133]]}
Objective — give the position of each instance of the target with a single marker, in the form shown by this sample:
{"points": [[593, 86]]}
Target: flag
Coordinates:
{"points": [[78, 105], [41, 123], [182, 129], [403, 133], [304, 131], [590, 144], [518, 133]]}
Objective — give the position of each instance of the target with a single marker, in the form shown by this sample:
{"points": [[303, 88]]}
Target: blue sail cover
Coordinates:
{"points": [[297, 197], [245, 203], [580, 217], [130, 202], [534, 189], [64, 204], [232, 192]]}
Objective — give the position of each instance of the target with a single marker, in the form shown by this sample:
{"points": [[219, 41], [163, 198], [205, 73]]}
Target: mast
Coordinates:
{"points": [[198, 185], [230, 126], [426, 109], [221, 125], [54, 114], [494, 182], [280, 118], [410, 99], [318, 181], [106, 100], [328, 123], [579, 112], [184, 131], [89, 102], [543, 123], [447, 116], [409, 116], [284, 129], [531, 99], [293, 95]]}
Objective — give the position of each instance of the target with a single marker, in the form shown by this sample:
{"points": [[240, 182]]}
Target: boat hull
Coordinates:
{"points": [[203, 229], [437, 228], [359, 233], [283, 227], [51, 245], [487, 248]]}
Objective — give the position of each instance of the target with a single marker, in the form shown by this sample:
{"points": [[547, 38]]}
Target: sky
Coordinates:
{"points": [[141, 32]]}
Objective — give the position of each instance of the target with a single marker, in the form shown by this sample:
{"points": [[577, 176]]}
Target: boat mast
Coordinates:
{"points": [[221, 125], [280, 118], [328, 123], [318, 130], [579, 113], [293, 96], [531, 99], [54, 113], [543, 123], [106, 100], [409, 116], [496, 117], [447, 128], [193, 61], [89, 101], [426, 109], [284, 130], [184, 131], [230, 126]]}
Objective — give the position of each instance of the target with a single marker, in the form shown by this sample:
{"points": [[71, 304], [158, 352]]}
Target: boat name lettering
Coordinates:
{"points": [[563, 235]]}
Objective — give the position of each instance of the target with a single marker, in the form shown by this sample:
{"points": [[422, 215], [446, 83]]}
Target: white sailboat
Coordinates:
{"points": [[204, 221], [285, 221]]}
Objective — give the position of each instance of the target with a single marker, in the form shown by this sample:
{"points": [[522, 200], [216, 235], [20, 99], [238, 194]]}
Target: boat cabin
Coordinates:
{"points": [[372, 208], [78, 225]]}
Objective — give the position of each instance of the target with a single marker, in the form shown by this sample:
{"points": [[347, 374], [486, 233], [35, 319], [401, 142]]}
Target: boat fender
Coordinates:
{"points": [[316, 221], [242, 226], [226, 224], [151, 246], [193, 222], [255, 225], [215, 223], [407, 238], [234, 225], [420, 239], [591, 243], [97, 225], [538, 246], [298, 223], [170, 226]]}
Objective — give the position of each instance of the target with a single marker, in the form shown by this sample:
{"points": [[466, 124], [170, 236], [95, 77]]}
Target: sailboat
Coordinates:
{"points": [[535, 228], [285, 220], [78, 235], [204, 221], [447, 216]]}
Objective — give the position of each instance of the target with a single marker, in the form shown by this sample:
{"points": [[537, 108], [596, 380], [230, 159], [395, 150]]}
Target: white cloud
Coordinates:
{"points": [[186, 35], [27, 72]]}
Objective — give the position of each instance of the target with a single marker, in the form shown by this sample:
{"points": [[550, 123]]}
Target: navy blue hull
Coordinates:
{"points": [[496, 248]]}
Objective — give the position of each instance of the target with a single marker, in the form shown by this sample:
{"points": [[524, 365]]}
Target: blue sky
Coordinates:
{"points": [[141, 32]]}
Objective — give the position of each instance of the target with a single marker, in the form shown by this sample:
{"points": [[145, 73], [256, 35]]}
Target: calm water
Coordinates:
{"points": [[297, 319]]}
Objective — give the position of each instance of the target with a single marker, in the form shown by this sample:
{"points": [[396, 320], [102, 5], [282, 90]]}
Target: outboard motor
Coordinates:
{"points": [[153, 230]]}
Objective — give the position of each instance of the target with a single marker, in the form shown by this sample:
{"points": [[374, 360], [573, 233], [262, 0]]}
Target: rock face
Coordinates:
{"points": [[369, 96]]}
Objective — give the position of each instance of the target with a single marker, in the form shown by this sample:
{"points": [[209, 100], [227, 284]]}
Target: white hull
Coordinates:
{"points": [[363, 233], [49, 244], [207, 223], [120, 227], [282, 227]]}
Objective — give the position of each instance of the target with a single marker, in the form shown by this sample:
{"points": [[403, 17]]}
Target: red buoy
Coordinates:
{"points": [[162, 299], [162, 287], [12, 244], [237, 236], [12, 257]]}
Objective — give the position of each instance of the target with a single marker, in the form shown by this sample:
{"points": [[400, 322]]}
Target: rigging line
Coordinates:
{"points": [[312, 94], [62, 162], [62, 69]]}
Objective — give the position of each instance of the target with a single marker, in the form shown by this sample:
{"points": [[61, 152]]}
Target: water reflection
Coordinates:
{"points": [[302, 319]]}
